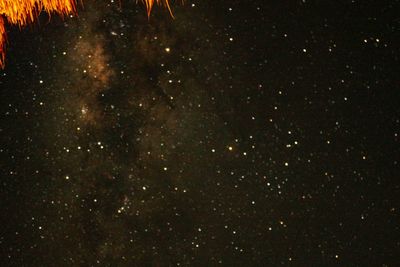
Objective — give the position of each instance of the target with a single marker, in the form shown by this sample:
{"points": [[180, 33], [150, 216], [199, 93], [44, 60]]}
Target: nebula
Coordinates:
{"points": [[23, 12]]}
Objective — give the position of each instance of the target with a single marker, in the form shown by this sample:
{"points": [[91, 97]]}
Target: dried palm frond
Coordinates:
{"points": [[22, 12]]}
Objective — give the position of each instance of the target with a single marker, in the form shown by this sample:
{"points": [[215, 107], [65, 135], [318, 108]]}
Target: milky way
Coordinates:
{"points": [[232, 135]]}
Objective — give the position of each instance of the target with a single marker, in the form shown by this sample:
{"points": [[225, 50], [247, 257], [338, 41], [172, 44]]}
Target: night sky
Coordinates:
{"points": [[240, 133]]}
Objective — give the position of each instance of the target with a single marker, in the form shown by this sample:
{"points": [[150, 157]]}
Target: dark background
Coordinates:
{"points": [[240, 133]]}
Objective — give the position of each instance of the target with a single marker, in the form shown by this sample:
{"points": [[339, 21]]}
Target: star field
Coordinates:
{"points": [[236, 134]]}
